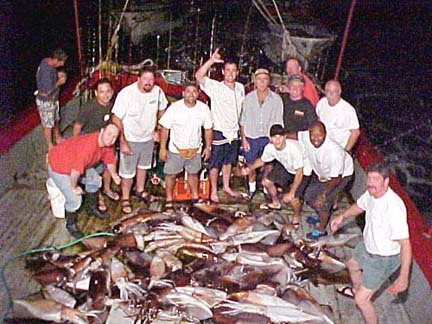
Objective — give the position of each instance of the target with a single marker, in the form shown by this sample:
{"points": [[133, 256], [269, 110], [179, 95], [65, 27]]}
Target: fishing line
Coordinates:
{"points": [[27, 252]]}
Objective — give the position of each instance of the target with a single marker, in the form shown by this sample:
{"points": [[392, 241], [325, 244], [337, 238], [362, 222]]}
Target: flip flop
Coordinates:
{"points": [[126, 206], [114, 196], [267, 206], [346, 291], [101, 206], [145, 196], [169, 204]]}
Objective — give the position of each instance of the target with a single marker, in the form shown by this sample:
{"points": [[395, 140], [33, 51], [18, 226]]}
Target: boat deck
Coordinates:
{"points": [[28, 224]]}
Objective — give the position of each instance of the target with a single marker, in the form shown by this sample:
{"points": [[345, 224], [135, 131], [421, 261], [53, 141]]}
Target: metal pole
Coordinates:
{"points": [[344, 40], [78, 38]]}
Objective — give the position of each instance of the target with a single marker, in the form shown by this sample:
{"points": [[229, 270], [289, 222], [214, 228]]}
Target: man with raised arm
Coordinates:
{"points": [[226, 99], [386, 245]]}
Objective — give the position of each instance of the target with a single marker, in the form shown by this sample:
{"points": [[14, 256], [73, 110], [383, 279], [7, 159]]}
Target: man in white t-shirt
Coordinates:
{"points": [[339, 117], [136, 111], [291, 173], [226, 106], [386, 245], [183, 122], [332, 171]]}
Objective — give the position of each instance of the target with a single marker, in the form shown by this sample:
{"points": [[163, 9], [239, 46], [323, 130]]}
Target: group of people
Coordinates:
{"points": [[302, 144]]}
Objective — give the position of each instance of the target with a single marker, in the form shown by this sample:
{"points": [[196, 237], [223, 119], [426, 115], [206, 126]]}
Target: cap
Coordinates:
{"points": [[261, 71], [277, 129], [296, 77]]}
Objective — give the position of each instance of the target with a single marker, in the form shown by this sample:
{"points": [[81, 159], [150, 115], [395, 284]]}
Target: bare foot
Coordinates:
{"points": [[214, 198], [232, 193]]}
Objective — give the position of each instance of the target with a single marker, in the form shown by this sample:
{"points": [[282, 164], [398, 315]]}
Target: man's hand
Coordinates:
{"points": [[156, 136], [216, 58], [77, 190], [245, 145], [125, 148], [282, 88], [163, 154], [288, 197], [206, 153], [335, 223], [400, 285]]}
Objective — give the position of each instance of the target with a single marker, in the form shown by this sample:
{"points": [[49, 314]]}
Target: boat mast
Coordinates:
{"points": [[344, 40], [169, 41], [100, 31], [78, 37]]}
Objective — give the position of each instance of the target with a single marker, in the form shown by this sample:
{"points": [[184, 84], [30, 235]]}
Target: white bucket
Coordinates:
{"points": [[56, 198]]}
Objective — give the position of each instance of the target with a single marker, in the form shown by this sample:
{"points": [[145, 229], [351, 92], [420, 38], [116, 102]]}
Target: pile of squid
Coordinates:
{"points": [[197, 264]]}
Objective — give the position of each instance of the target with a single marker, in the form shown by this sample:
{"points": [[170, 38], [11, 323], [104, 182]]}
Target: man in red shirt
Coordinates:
{"points": [[292, 67], [68, 160]]}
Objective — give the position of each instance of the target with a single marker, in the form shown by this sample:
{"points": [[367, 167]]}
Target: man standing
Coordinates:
{"points": [[47, 94], [136, 111], [92, 116], [298, 113], [226, 105], [68, 160], [339, 117], [183, 122], [262, 108], [292, 66], [292, 172], [332, 170], [386, 245]]}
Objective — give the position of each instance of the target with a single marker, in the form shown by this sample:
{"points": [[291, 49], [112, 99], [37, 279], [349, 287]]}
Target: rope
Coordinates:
{"points": [[44, 249], [114, 37], [264, 12]]}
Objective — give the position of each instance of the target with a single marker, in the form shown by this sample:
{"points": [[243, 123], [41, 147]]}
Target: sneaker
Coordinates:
{"points": [[315, 235], [313, 219]]}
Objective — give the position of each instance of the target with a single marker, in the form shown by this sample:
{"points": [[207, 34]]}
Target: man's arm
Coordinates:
{"points": [[401, 283], [163, 154], [352, 140], [74, 176], [353, 210], [208, 139], [201, 74], [76, 129], [296, 183], [124, 145]]}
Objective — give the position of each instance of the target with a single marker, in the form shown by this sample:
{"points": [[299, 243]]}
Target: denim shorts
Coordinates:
{"points": [[140, 159], [256, 148], [223, 154], [376, 268], [176, 163]]}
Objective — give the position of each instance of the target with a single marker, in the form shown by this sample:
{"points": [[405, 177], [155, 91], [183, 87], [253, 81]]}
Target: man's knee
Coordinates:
{"points": [[266, 182], [352, 265], [363, 296]]}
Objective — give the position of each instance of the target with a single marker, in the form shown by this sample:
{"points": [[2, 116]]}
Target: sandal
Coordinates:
{"points": [[169, 204], [145, 196], [346, 291], [126, 206], [269, 206], [101, 206], [114, 196]]}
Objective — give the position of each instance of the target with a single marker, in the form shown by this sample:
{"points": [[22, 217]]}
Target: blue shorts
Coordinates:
{"points": [[376, 268], [223, 154], [256, 148]]}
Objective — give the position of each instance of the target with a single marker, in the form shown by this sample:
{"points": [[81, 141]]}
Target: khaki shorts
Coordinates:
{"points": [[176, 163], [140, 159], [48, 112]]}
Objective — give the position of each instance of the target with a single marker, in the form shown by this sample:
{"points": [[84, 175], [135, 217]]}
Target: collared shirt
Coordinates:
{"points": [[226, 106], [257, 119]]}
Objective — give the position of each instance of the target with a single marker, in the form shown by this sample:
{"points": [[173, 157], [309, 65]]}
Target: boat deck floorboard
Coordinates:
{"points": [[27, 223]]}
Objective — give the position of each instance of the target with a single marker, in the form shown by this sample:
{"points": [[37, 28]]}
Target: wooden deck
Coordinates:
{"points": [[27, 223]]}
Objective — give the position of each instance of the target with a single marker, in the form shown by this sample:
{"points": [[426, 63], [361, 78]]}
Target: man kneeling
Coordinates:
{"points": [[183, 121]]}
